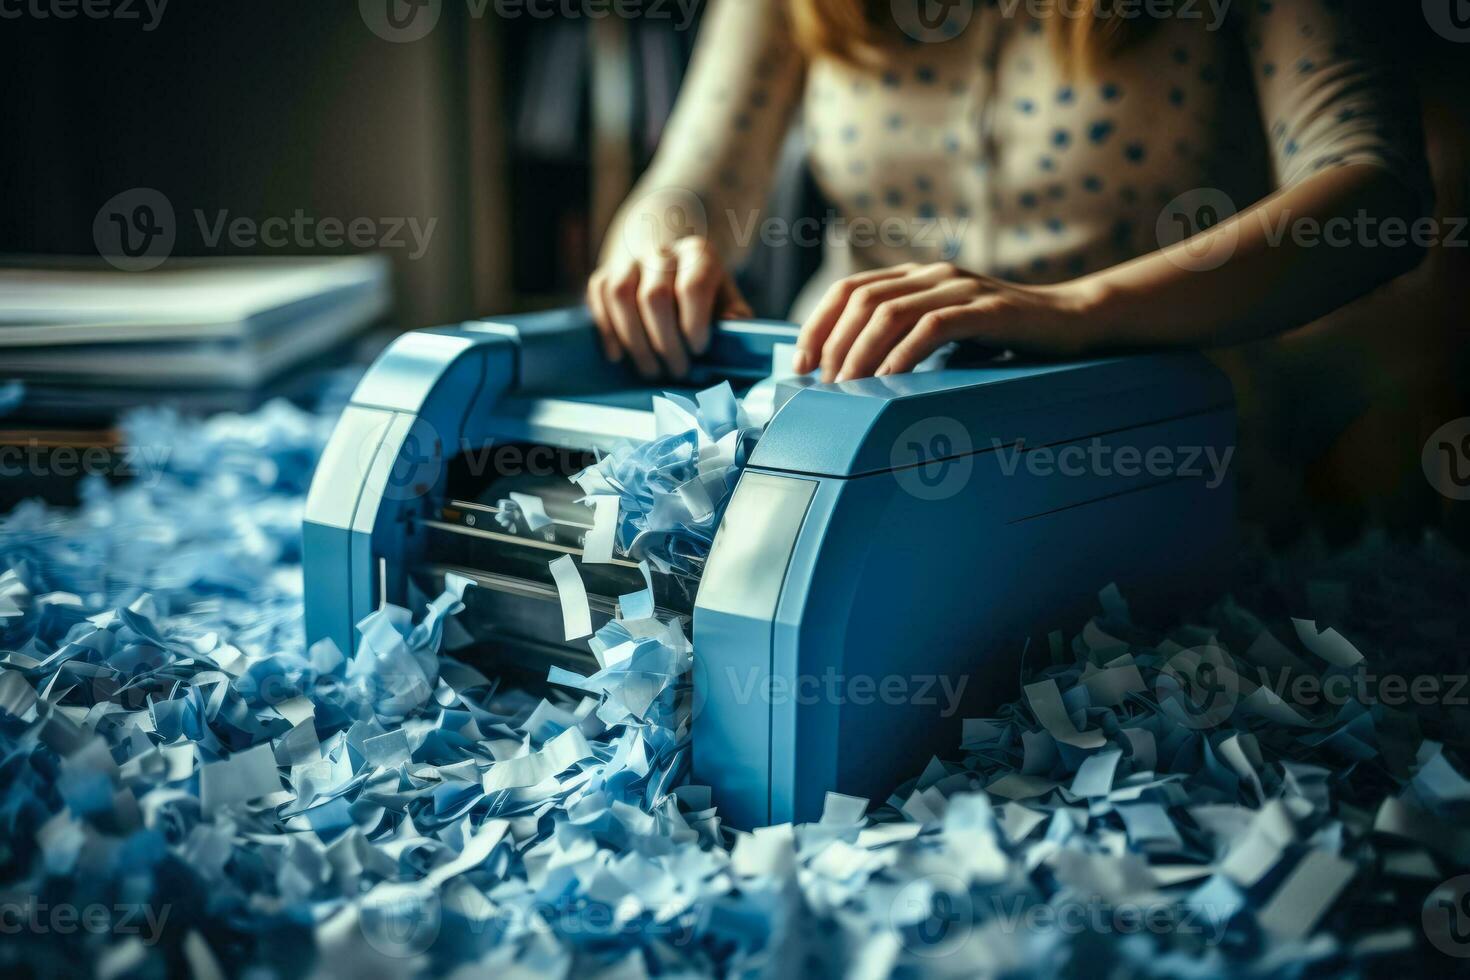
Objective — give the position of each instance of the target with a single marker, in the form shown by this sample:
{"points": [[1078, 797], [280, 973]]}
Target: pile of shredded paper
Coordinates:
{"points": [[185, 786]]}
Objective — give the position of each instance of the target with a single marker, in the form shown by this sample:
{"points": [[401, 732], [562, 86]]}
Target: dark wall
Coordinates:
{"points": [[260, 108]]}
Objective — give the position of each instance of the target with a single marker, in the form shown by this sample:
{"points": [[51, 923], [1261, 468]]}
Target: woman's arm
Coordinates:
{"points": [[663, 274], [1295, 256], [1347, 154], [1298, 255]]}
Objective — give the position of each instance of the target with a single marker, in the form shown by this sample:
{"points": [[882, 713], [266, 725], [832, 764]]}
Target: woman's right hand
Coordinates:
{"points": [[658, 308]]}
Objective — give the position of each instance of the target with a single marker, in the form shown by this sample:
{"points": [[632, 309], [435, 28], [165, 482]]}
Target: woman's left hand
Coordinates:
{"points": [[889, 320]]}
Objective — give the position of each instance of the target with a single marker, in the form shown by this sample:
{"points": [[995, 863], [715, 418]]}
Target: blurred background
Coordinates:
{"points": [[482, 157]]}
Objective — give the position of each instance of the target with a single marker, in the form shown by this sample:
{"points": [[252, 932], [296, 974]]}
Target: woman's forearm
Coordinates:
{"points": [[1293, 257]]}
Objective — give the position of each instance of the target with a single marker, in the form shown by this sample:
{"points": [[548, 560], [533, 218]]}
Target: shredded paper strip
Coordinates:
{"points": [[224, 801]]}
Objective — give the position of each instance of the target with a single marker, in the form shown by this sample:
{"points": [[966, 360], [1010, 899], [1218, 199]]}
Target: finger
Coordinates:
{"points": [[656, 306], [696, 288], [860, 309], [894, 321], [611, 349], [823, 319], [621, 296], [933, 331]]}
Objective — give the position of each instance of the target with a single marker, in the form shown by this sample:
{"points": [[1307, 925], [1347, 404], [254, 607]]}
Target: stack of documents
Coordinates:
{"points": [[235, 323]]}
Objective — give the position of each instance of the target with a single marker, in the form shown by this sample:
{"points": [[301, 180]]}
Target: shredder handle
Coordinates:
{"points": [[560, 351]]}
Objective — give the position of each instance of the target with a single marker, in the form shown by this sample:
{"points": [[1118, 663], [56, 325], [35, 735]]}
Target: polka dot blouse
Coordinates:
{"points": [[982, 150]]}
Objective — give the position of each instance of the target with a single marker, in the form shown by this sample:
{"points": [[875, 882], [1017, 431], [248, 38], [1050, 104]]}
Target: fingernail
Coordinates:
{"points": [[881, 372], [801, 362]]}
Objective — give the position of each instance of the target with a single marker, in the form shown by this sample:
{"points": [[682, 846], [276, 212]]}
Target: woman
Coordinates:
{"points": [[1072, 178]]}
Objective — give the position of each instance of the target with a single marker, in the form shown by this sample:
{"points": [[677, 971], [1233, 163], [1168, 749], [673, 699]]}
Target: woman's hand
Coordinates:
{"points": [[889, 320], [658, 308]]}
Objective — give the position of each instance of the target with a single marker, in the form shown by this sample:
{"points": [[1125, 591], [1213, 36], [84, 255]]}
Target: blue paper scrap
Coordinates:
{"points": [[236, 803]]}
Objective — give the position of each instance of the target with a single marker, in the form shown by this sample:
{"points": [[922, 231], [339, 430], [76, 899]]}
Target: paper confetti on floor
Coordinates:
{"points": [[184, 787]]}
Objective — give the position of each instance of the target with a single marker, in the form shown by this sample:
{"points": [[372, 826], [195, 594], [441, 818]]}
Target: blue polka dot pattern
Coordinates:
{"points": [[1066, 158]]}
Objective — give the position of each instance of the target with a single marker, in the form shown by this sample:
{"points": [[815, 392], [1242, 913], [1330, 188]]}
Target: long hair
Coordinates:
{"points": [[1084, 33]]}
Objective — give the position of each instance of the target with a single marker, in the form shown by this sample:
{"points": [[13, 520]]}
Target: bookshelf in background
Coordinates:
{"points": [[585, 102]]}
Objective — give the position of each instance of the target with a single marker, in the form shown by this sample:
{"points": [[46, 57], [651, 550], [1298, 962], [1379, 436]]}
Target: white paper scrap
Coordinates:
{"points": [[576, 614], [1329, 644], [1306, 895], [243, 776], [597, 547], [558, 755], [532, 509], [1045, 699]]}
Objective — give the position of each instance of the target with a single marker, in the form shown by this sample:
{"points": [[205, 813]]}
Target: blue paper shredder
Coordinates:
{"points": [[887, 553]]}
